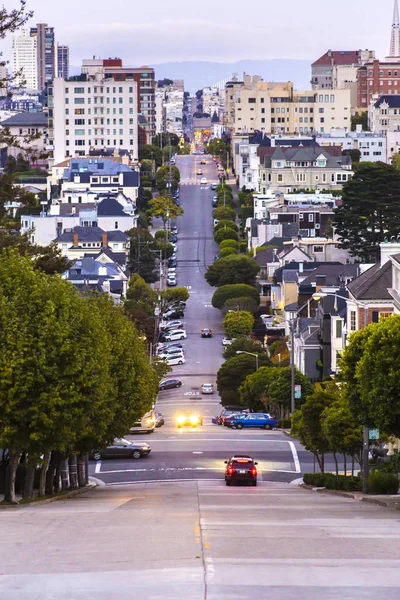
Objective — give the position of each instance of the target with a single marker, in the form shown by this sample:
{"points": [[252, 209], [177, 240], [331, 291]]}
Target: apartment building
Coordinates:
{"points": [[24, 59], [384, 115], [372, 146], [256, 105], [336, 68], [46, 53], [160, 116], [62, 61], [144, 78], [173, 105], [89, 112], [25, 124], [311, 168]]}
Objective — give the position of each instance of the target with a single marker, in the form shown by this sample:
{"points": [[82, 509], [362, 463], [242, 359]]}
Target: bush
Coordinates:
{"points": [[224, 213], [225, 234], [244, 303], [331, 481], [160, 235], [380, 482], [228, 224], [227, 252], [285, 423], [235, 290], [229, 244], [243, 246]]}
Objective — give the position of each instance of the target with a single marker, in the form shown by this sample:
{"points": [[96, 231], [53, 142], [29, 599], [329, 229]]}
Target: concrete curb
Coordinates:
{"points": [[392, 503], [67, 496], [97, 482]]}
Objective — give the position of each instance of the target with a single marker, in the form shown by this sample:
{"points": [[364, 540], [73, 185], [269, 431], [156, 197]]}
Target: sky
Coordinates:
{"points": [[157, 31]]}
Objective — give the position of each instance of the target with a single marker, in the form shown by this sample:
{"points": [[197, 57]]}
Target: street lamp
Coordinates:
{"points": [[250, 354], [365, 452]]}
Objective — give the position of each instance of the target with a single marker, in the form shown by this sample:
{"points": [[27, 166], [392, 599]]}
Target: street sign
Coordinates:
{"points": [[297, 391], [373, 434]]}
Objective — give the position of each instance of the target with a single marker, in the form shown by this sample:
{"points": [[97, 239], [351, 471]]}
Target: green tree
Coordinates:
{"points": [[150, 152], [238, 290], [171, 295], [143, 254], [229, 244], [278, 394], [232, 373], [360, 118], [224, 213], [244, 343], [370, 210], [225, 234], [166, 139], [232, 269], [44, 258], [244, 303], [237, 323], [376, 374], [169, 152], [344, 434], [227, 252], [307, 425], [140, 296], [163, 176], [165, 208], [223, 224], [252, 390]]}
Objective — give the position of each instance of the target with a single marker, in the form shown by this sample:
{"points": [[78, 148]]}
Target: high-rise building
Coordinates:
{"points": [[376, 78], [46, 53], [89, 113], [24, 60], [62, 61], [145, 81], [395, 34]]}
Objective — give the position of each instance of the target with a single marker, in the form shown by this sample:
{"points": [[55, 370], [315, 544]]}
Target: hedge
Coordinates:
{"points": [[227, 251], [229, 244], [223, 223], [380, 482], [331, 481], [234, 290], [225, 234]]}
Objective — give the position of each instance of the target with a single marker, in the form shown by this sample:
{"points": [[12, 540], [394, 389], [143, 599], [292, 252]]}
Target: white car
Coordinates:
{"points": [[216, 221], [203, 181], [207, 388], [171, 354], [175, 360], [171, 281], [171, 324], [227, 341], [171, 271], [175, 334]]}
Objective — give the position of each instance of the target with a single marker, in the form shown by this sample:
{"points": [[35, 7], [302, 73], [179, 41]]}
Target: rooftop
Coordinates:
{"points": [[338, 57], [26, 119]]}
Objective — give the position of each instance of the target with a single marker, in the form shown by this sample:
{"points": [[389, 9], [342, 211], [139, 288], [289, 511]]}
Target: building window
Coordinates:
{"points": [[318, 249], [79, 100], [116, 225], [353, 320], [280, 177], [252, 100], [384, 315], [339, 326]]}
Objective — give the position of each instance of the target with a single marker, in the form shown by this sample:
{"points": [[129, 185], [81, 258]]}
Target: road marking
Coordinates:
{"points": [[197, 453], [295, 457], [191, 394], [238, 440], [98, 467]]}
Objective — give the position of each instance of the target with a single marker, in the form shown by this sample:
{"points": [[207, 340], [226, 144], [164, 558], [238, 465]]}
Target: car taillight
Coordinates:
{"points": [[253, 471], [231, 470]]}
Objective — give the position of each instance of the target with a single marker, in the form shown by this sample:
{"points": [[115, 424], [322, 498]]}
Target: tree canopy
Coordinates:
{"points": [[233, 372], [165, 208], [225, 234], [163, 177], [237, 290], [237, 323], [151, 152], [232, 269], [370, 210]]}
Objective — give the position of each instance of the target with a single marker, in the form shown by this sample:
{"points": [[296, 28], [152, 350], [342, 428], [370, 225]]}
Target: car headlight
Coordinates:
{"points": [[181, 419], [194, 419], [144, 447]]}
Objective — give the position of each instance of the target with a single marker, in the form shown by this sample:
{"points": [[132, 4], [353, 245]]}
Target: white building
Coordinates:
{"points": [[372, 146], [24, 57], [160, 120], [92, 112], [173, 105]]}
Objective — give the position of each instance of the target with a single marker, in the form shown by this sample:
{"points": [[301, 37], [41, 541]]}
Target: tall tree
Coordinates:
{"points": [[232, 269], [168, 177], [232, 374], [370, 210], [143, 254], [165, 208], [237, 323]]}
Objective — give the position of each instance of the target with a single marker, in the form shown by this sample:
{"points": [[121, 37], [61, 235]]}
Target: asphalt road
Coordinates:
{"points": [[184, 454]]}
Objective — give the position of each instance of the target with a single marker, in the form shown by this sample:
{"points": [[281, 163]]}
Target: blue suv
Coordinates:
{"points": [[257, 420]]}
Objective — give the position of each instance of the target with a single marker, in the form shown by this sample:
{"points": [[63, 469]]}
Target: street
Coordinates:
{"points": [[200, 541], [200, 453]]}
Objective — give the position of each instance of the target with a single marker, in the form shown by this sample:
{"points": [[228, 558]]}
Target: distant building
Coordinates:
{"points": [[384, 115], [25, 124], [112, 68], [372, 146], [46, 54], [336, 68], [24, 60], [62, 61], [92, 112]]}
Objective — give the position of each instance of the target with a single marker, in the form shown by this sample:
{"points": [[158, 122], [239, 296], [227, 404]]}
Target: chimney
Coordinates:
{"points": [[320, 282], [76, 240], [104, 241]]}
